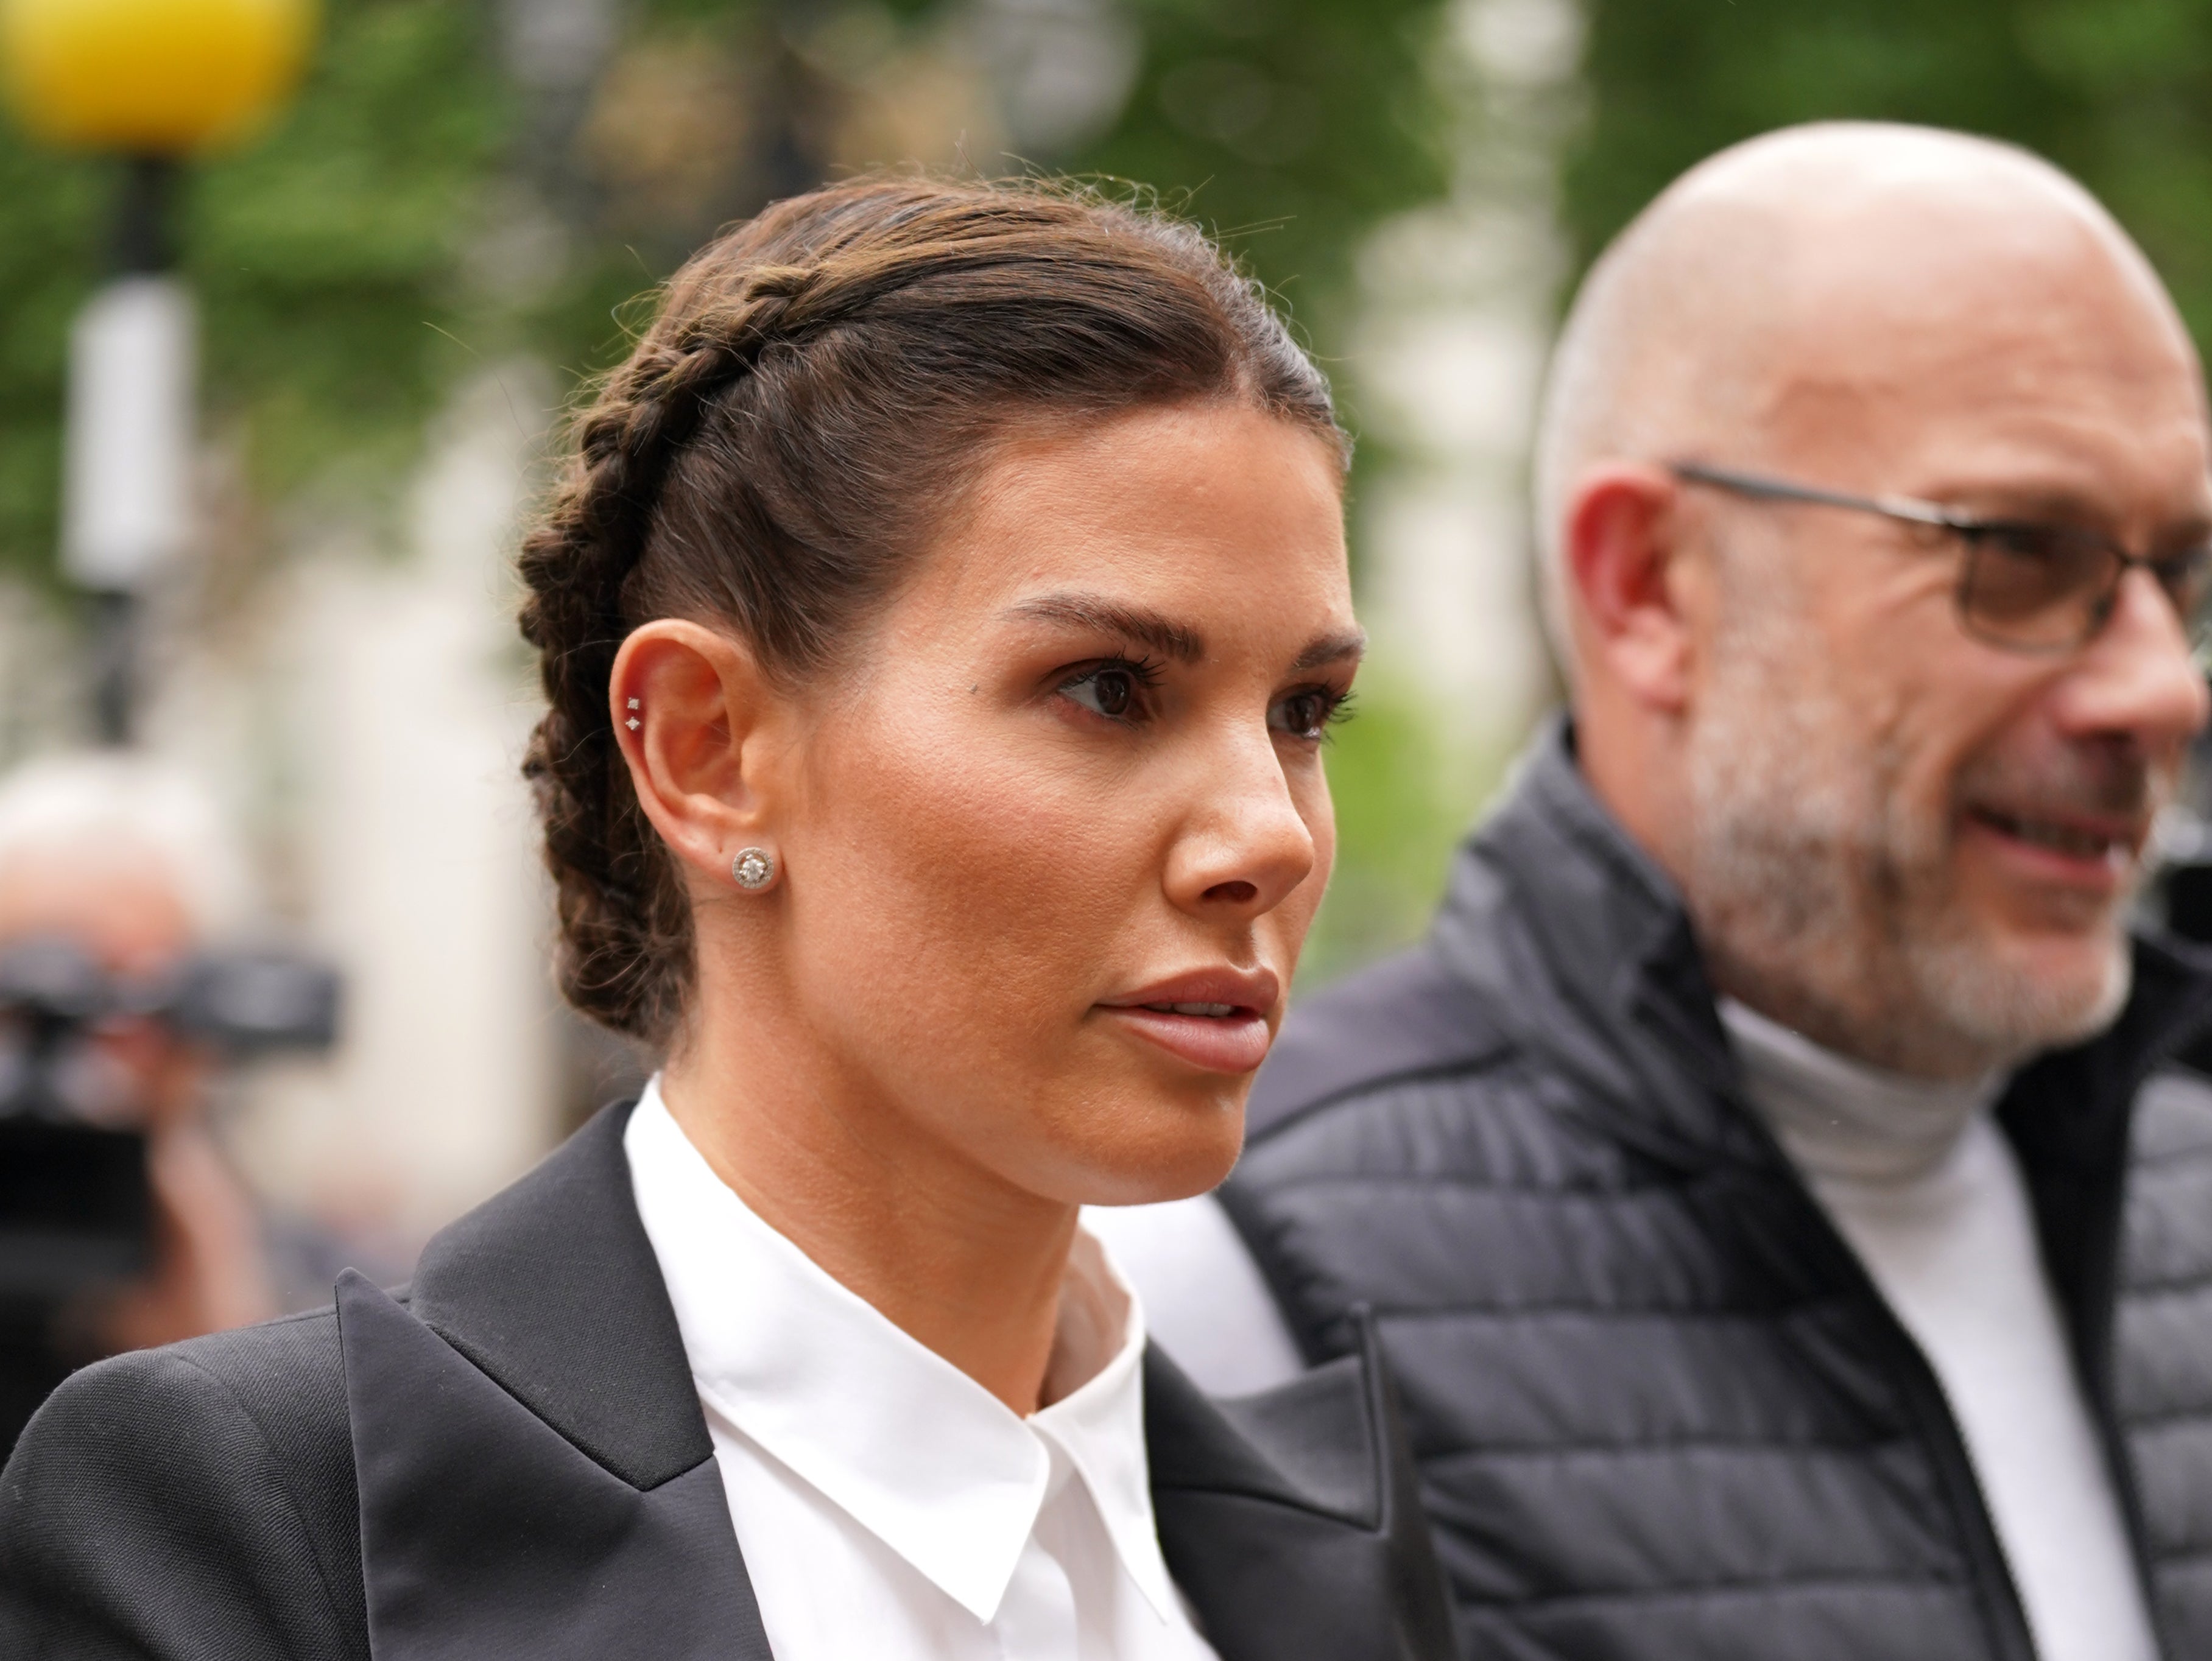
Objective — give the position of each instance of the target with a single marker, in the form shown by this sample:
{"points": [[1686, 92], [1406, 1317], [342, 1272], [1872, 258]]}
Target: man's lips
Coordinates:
{"points": [[2095, 848], [1214, 1019]]}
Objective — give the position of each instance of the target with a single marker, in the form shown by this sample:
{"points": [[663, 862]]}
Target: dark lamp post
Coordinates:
{"points": [[154, 83]]}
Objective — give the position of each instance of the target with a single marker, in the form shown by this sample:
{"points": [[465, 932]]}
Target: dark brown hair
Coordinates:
{"points": [[818, 385]]}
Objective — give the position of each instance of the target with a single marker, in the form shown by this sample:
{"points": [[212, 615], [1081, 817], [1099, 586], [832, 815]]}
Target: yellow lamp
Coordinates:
{"points": [[151, 77]]}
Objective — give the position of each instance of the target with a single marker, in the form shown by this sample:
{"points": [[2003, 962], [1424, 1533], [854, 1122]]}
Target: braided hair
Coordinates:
{"points": [[818, 385]]}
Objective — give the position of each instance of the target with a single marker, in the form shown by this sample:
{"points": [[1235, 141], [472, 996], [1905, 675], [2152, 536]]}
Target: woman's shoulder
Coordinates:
{"points": [[277, 1370], [194, 1499]]}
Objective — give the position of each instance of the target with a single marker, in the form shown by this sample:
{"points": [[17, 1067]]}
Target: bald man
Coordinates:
{"points": [[1772, 1177]]}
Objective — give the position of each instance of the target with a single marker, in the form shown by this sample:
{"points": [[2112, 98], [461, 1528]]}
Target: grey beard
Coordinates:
{"points": [[1819, 902]]}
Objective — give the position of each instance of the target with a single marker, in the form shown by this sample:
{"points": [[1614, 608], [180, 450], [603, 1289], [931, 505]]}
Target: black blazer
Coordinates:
{"points": [[508, 1461]]}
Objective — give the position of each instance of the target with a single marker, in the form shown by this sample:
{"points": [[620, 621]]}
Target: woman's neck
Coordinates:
{"points": [[963, 1261]]}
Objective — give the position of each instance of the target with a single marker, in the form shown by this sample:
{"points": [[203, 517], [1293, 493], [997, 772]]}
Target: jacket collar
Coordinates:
{"points": [[536, 1477], [1611, 916], [1582, 945], [1292, 1519], [552, 1288]]}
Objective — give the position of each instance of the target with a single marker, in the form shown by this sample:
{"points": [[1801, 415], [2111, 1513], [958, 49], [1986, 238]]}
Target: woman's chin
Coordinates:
{"points": [[1183, 1160]]}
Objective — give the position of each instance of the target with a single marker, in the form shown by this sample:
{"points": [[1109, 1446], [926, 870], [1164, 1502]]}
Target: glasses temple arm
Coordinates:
{"points": [[1748, 484]]}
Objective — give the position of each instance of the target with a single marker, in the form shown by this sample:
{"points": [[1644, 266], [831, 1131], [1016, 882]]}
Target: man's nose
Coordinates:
{"points": [[2139, 675]]}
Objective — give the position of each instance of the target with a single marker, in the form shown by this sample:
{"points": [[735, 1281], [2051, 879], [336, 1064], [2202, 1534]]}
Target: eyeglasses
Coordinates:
{"points": [[2024, 586]]}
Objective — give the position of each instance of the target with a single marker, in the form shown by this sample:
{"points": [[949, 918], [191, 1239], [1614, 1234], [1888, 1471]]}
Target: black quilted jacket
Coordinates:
{"points": [[1660, 1411]]}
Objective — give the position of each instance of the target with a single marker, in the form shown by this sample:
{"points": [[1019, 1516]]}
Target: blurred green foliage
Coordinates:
{"points": [[48, 259], [333, 256], [1404, 799], [328, 258], [2119, 92], [325, 257], [1289, 127]]}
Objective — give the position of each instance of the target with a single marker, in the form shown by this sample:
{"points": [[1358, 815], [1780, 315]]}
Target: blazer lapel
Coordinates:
{"points": [[536, 1476], [1291, 1520]]}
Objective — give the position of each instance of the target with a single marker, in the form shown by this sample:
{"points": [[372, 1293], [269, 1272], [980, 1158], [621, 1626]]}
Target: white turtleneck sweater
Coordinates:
{"points": [[1928, 1192]]}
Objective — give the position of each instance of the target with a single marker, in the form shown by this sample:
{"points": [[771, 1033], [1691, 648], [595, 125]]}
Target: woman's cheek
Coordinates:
{"points": [[988, 857]]}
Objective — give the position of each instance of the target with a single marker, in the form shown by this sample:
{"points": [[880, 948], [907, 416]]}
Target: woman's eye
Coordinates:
{"points": [[1113, 690], [1304, 714]]}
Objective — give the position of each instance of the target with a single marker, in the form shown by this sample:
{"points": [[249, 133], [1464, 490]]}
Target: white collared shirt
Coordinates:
{"points": [[888, 1507]]}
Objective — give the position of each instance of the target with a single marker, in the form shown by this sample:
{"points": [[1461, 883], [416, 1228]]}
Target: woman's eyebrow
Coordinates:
{"points": [[1101, 616], [1327, 649]]}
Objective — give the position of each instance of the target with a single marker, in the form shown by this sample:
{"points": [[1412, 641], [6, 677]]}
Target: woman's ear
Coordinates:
{"points": [[1629, 582], [694, 715]]}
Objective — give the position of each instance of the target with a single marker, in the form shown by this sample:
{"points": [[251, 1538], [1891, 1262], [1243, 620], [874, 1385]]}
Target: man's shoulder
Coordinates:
{"points": [[1407, 1070], [1406, 1018], [2170, 1179], [2173, 1112], [2166, 1271]]}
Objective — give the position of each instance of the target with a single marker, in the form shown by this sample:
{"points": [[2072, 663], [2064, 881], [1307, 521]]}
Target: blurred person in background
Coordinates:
{"points": [[1784, 1210], [128, 862], [941, 620]]}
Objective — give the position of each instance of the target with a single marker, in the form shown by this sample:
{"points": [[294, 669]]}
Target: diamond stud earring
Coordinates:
{"points": [[754, 869], [633, 724]]}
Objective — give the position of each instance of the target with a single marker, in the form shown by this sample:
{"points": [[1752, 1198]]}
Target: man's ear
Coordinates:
{"points": [[1629, 582], [695, 718]]}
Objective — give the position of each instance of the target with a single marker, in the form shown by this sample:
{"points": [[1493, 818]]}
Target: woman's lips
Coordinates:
{"points": [[1214, 1019], [1233, 1043]]}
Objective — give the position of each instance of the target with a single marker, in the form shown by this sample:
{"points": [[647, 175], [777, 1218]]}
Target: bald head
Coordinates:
{"points": [[1806, 276]]}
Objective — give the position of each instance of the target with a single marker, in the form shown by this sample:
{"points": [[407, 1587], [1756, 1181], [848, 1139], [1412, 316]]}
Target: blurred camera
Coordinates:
{"points": [[76, 1209]]}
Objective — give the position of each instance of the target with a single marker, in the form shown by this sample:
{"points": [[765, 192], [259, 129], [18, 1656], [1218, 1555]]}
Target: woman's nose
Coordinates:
{"points": [[1245, 846]]}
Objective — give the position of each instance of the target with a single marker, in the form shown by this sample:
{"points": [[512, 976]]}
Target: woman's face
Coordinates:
{"points": [[1055, 836]]}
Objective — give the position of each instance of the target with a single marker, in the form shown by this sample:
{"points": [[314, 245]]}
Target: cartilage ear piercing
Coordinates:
{"points": [[633, 724], [754, 869]]}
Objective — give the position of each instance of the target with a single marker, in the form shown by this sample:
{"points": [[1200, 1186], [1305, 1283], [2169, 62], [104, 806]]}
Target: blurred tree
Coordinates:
{"points": [[353, 259], [330, 259], [1289, 127], [48, 263], [1403, 801], [327, 256], [2119, 92]]}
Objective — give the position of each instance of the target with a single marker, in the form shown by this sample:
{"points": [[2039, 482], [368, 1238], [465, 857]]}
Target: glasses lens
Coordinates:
{"points": [[2186, 576], [2037, 586]]}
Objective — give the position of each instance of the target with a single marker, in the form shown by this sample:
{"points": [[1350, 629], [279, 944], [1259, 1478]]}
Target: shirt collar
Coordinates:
{"points": [[828, 1386], [1100, 1424], [1840, 1117]]}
